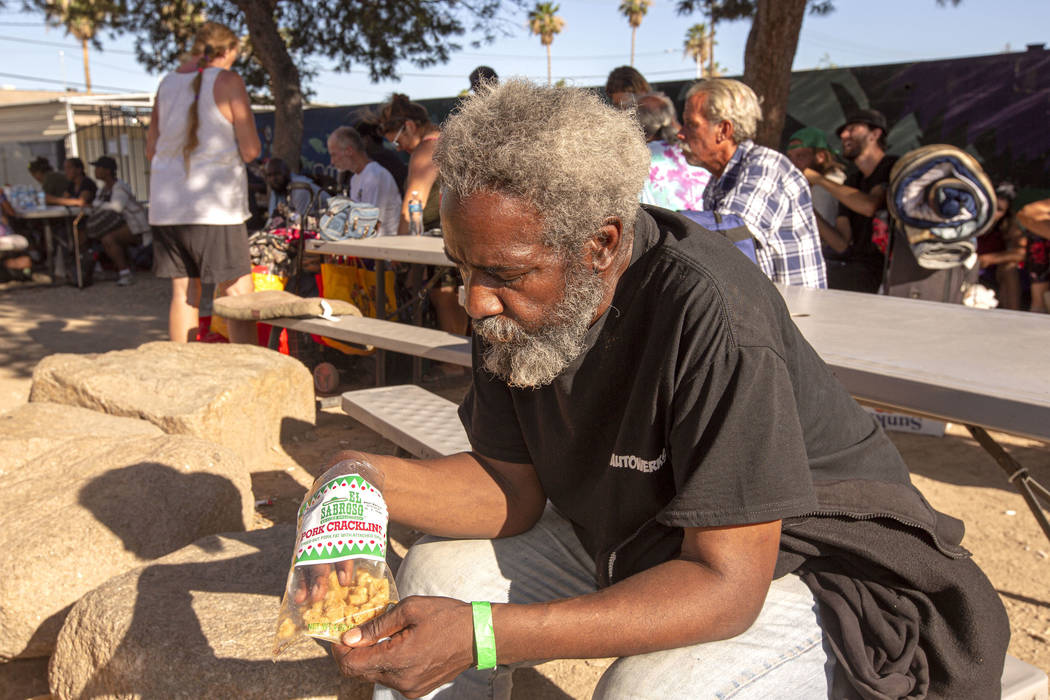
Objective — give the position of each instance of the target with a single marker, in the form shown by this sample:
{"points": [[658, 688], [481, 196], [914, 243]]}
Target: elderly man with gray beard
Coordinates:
{"points": [[662, 470]]}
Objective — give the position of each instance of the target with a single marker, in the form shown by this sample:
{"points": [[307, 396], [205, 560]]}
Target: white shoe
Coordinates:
{"points": [[125, 281]]}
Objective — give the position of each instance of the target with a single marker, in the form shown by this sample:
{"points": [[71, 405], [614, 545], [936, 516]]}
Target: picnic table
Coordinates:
{"points": [[419, 250], [983, 368], [48, 215]]}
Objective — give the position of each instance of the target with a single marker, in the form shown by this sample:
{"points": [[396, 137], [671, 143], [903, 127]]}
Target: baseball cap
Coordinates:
{"points": [[106, 162], [809, 137], [871, 117]]}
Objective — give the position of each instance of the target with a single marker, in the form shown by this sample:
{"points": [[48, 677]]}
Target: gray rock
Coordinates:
{"points": [[241, 396], [36, 429], [97, 508], [198, 623]]}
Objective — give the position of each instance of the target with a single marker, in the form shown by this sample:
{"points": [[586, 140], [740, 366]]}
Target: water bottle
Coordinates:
{"points": [[41, 199], [415, 215]]}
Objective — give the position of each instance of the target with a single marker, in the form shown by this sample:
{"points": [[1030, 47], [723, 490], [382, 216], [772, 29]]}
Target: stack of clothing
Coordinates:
{"points": [[943, 201]]}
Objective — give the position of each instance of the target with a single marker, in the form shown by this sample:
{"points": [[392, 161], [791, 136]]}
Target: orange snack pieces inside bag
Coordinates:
{"points": [[342, 535]]}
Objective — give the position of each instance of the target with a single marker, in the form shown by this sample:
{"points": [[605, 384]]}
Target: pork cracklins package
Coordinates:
{"points": [[338, 577]]}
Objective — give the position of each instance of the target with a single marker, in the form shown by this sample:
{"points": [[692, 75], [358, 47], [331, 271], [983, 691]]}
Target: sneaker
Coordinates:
{"points": [[125, 281]]}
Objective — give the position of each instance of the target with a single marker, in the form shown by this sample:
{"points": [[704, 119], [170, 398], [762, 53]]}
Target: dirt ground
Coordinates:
{"points": [[954, 473]]}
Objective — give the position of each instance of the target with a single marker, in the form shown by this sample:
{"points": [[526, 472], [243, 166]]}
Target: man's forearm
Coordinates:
{"points": [[831, 235], [675, 604], [1035, 217], [865, 204], [458, 496]]}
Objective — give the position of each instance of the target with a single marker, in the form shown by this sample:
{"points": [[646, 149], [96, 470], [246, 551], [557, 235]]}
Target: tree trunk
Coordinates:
{"points": [[87, 69], [271, 51], [548, 65], [771, 46], [633, 31]]}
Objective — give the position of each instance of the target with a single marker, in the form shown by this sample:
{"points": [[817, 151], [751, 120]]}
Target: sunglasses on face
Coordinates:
{"points": [[397, 135]]}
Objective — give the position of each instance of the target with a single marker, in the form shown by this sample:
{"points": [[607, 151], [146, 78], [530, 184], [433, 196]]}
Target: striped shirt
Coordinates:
{"points": [[764, 189]]}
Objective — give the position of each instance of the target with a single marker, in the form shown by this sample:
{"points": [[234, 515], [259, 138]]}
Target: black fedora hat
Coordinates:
{"points": [[871, 117]]}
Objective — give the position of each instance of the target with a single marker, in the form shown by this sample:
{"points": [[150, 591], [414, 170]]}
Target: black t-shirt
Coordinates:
{"points": [[862, 248], [696, 403], [85, 192]]}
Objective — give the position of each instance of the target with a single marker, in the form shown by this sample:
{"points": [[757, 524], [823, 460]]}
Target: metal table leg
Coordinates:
{"points": [[381, 271], [1031, 490]]}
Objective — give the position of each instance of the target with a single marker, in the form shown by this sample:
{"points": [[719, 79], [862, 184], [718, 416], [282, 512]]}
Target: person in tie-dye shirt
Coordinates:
{"points": [[673, 183]]}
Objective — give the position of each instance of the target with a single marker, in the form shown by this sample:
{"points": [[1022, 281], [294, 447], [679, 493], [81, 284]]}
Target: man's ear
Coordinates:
{"points": [[725, 130], [602, 250]]}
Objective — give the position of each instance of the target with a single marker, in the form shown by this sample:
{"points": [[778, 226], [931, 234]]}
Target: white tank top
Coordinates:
{"points": [[216, 189]]}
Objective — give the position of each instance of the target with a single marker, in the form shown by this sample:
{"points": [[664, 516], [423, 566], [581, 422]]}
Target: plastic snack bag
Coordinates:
{"points": [[338, 577]]}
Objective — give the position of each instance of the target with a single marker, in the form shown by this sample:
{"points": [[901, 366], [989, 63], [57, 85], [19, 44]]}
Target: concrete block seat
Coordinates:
{"points": [[241, 396]]}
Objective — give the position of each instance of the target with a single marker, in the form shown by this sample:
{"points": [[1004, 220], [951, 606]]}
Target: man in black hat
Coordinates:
{"points": [[118, 220], [857, 266]]}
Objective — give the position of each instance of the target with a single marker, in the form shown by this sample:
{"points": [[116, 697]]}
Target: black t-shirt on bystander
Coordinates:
{"points": [[862, 251], [697, 403], [85, 191]]}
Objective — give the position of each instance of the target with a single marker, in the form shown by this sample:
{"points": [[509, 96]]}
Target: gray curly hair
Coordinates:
{"points": [[731, 101], [576, 160]]}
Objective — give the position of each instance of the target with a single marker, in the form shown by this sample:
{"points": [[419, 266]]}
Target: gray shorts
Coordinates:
{"points": [[212, 254]]}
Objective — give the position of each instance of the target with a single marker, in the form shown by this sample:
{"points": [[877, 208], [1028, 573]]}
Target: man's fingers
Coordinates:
{"points": [[311, 582], [381, 627]]}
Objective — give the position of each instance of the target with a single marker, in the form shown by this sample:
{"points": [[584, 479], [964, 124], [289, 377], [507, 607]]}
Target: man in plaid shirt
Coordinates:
{"points": [[752, 182]]}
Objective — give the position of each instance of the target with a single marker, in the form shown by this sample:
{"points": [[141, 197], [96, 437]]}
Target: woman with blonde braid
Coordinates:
{"points": [[201, 134]]}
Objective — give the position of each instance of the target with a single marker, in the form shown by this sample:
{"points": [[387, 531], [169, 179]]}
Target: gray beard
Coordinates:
{"points": [[526, 359]]}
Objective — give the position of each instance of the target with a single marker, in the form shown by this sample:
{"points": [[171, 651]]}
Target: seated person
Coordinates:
{"points": [[17, 265], [662, 468], [1001, 250], [673, 183], [127, 229], [298, 200], [375, 146], [80, 189], [53, 183], [1034, 219], [371, 183]]}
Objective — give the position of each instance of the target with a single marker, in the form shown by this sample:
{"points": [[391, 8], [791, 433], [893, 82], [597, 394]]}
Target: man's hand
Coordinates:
{"points": [[430, 643], [312, 581], [812, 176]]}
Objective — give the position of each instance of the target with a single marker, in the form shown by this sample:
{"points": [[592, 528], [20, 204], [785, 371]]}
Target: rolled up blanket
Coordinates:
{"points": [[943, 200]]}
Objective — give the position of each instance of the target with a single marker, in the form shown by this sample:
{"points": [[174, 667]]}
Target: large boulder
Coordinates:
{"points": [[98, 507], [241, 396], [198, 623], [37, 429]]}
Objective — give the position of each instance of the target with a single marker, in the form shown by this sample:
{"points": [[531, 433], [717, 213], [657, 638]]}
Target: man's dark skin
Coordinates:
{"points": [[713, 590], [278, 175], [860, 144]]}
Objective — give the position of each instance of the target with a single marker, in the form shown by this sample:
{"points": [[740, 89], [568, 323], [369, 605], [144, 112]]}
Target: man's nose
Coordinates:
{"points": [[480, 299]]}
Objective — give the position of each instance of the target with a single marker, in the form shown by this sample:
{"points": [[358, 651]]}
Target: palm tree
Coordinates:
{"points": [[698, 46], [82, 19], [634, 11], [545, 23]]}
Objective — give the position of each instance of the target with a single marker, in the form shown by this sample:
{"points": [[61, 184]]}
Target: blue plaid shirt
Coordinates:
{"points": [[764, 189]]}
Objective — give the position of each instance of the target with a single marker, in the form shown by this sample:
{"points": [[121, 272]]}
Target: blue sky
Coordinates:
{"points": [[596, 39]]}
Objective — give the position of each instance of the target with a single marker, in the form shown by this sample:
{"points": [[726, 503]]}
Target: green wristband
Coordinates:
{"points": [[484, 636]]}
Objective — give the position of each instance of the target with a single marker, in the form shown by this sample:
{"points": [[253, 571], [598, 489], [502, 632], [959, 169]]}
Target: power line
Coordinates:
{"points": [[68, 47], [64, 82]]}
